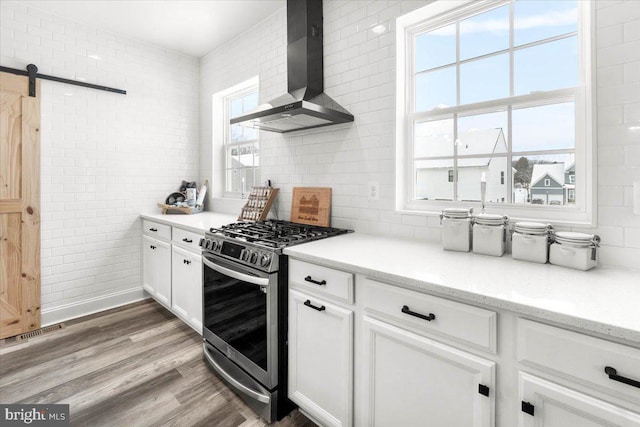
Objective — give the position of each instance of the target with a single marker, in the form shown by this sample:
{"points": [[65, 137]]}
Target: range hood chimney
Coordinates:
{"points": [[306, 106]]}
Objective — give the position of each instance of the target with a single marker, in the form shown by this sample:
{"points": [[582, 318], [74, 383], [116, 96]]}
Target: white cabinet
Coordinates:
{"points": [[584, 363], [321, 359], [172, 270], [186, 286], [410, 380], [156, 270], [546, 404]]}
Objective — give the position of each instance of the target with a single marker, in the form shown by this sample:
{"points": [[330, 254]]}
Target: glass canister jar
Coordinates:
{"points": [[489, 234], [530, 241], [456, 229], [574, 250]]}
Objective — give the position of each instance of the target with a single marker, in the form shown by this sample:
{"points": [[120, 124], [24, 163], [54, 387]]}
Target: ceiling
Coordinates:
{"points": [[194, 27]]}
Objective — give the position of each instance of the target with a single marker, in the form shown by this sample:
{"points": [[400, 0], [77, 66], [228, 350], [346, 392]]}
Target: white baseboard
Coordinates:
{"points": [[92, 305]]}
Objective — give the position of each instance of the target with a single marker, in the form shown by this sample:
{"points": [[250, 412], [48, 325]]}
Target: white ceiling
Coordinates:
{"points": [[194, 27]]}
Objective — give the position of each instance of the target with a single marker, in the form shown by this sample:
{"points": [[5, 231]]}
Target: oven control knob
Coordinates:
{"points": [[254, 258], [214, 245], [264, 260], [244, 255]]}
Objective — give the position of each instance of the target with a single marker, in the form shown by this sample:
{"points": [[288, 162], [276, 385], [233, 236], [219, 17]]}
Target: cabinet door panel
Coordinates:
{"points": [[181, 278], [558, 406], [412, 380], [163, 272], [149, 265], [321, 359], [195, 303]]}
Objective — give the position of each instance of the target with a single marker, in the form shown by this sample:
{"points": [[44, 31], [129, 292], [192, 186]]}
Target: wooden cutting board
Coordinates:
{"points": [[311, 205]]}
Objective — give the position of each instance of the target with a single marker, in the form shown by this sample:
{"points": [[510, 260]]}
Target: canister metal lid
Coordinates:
{"points": [[537, 228], [490, 219], [457, 212], [576, 239]]}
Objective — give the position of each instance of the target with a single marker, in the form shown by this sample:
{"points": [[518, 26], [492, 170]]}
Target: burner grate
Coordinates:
{"points": [[276, 233]]}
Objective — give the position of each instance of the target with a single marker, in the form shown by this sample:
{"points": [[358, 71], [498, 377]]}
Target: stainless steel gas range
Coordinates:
{"points": [[245, 307]]}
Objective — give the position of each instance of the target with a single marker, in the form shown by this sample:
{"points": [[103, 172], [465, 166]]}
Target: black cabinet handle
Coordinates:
{"points": [[187, 240], [308, 304], [613, 375], [315, 282], [153, 229], [428, 318], [152, 247], [527, 408], [186, 261], [483, 390]]}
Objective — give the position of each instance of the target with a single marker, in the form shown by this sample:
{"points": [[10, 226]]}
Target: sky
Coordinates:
{"points": [[544, 67]]}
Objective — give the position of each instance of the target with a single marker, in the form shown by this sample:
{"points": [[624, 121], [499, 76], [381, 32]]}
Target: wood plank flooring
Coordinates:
{"points": [[136, 365]]}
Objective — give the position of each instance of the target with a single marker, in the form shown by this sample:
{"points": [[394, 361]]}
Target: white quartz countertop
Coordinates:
{"points": [[198, 223], [605, 300]]}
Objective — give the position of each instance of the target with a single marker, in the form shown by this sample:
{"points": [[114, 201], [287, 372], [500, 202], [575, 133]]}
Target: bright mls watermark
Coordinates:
{"points": [[34, 415]]}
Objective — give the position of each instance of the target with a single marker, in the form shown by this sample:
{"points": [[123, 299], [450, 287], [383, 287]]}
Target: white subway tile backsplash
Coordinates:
{"points": [[632, 237], [97, 148]]}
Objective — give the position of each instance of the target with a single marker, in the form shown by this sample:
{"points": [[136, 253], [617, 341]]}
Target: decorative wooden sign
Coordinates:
{"points": [[311, 205]]}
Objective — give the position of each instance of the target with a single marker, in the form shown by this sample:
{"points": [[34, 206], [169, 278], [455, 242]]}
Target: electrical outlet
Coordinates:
{"points": [[373, 192]]}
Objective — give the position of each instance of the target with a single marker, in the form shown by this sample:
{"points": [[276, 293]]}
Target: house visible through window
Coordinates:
{"points": [[241, 147], [494, 90]]}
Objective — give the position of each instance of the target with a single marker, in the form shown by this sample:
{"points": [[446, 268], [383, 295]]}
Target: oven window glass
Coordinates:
{"points": [[236, 311]]}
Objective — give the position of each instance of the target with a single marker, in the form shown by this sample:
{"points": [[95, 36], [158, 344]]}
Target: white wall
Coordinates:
{"points": [[359, 74], [105, 157]]}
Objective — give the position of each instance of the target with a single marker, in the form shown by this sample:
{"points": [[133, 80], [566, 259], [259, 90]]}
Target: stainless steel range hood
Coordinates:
{"points": [[305, 106]]}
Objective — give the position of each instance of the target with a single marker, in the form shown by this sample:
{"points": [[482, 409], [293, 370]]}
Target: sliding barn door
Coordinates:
{"points": [[19, 206]]}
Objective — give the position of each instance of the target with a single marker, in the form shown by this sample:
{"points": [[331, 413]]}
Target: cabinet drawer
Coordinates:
{"points": [[187, 239], [459, 322], [321, 280], [155, 229], [579, 357]]}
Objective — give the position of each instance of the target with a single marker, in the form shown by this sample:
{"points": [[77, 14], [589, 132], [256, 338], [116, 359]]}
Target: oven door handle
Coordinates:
{"points": [[260, 281], [254, 394]]}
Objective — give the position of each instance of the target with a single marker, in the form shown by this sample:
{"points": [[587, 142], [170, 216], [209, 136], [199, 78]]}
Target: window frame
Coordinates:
{"points": [[228, 99], [438, 14], [220, 129]]}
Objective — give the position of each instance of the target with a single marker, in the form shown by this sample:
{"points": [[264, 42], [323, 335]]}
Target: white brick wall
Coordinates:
{"points": [[105, 157], [359, 73]]}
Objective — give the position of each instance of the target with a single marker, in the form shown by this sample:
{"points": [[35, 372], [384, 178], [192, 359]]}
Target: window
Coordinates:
{"points": [[572, 179], [494, 89], [547, 182]]}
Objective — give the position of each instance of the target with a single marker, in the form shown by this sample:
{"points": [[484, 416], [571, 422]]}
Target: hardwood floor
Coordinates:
{"points": [[136, 365]]}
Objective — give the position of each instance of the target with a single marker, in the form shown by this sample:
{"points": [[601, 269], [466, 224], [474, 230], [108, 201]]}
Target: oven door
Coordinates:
{"points": [[240, 308]]}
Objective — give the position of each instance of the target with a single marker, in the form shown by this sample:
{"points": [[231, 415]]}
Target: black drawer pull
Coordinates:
{"points": [[152, 247], [308, 304], [527, 408], [428, 318], [153, 229], [187, 240], [613, 375], [186, 261], [483, 390], [315, 282]]}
